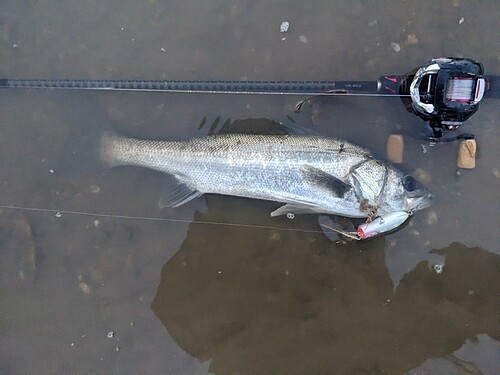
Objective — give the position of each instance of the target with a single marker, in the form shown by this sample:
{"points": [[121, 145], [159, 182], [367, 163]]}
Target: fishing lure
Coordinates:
{"points": [[383, 224]]}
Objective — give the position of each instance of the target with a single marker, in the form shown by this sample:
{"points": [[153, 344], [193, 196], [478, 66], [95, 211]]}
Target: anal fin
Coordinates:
{"points": [[175, 193]]}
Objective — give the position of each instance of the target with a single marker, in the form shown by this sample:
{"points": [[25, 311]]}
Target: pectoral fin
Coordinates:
{"points": [[175, 193], [326, 224], [324, 180], [332, 229]]}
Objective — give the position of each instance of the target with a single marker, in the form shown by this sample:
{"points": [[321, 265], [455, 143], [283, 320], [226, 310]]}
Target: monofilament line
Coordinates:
{"points": [[158, 219]]}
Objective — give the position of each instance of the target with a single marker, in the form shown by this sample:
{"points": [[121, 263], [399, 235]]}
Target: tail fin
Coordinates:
{"points": [[109, 149]]}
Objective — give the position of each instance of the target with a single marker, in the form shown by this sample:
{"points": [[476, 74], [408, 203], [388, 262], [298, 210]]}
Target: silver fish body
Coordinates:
{"points": [[310, 174]]}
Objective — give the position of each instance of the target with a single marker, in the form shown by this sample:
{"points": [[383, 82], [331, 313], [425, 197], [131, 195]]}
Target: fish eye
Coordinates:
{"points": [[409, 183]]}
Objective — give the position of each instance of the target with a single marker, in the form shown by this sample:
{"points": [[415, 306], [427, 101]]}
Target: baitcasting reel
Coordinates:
{"points": [[445, 91]]}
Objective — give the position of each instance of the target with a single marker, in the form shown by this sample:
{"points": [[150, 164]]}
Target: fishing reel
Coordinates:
{"points": [[445, 91]]}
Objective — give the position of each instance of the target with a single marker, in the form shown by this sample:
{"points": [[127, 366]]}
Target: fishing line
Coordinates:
{"points": [[148, 218]]}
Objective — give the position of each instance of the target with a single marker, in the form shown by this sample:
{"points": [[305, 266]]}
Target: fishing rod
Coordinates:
{"points": [[444, 92]]}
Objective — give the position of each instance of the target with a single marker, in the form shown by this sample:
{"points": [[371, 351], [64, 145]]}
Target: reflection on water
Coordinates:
{"points": [[257, 301]]}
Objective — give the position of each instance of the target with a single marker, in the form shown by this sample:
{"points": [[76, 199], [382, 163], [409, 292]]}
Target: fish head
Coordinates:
{"points": [[388, 189], [417, 197], [404, 193]]}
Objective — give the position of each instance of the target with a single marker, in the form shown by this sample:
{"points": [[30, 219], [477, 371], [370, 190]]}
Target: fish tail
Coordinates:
{"points": [[110, 149]]}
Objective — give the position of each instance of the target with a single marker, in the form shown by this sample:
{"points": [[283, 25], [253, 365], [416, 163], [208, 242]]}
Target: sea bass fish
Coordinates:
{"points": [[309, 174]]}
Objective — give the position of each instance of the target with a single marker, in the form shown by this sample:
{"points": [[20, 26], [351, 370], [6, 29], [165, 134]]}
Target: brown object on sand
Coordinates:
{"points": [[467, 154], [395, 148]]}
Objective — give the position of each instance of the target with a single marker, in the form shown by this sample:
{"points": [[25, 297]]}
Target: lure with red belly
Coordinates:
{"points": [[382, 224]]}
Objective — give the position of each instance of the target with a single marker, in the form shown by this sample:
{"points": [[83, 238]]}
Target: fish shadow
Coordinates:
{"points": [[257, 300]]}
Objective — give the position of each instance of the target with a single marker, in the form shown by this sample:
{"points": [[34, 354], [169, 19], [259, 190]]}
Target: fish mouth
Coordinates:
{"points": [[418, 200]]}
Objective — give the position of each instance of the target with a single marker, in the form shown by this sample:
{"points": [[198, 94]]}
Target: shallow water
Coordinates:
{"points": [[177, 296]]}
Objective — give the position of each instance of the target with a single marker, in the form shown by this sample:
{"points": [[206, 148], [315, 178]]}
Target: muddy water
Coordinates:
{"points": [[92, 293]]}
